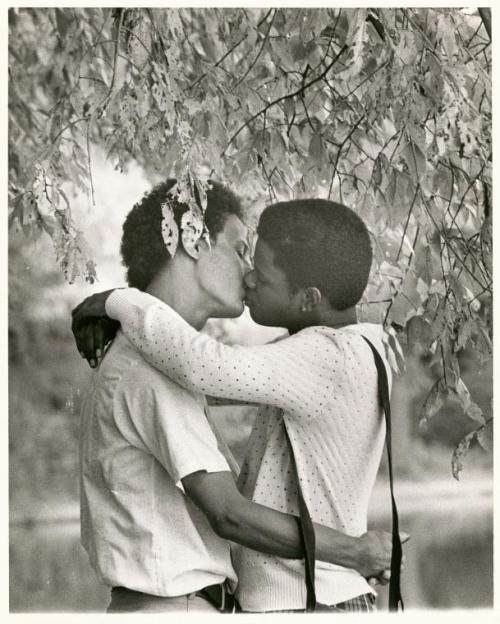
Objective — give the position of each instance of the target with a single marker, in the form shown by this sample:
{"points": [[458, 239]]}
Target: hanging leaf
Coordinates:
{"points": [[192, 228], [402, 106], [459, 454], [485, 436], [169, 229], [415, 159], [433, 402]]}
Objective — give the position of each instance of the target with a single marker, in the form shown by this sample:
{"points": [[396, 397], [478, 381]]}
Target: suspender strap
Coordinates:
{"points": [[305, 522], [307, 535], [395, 598]]}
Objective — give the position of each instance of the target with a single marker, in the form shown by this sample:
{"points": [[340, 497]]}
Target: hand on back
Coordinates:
{"points": [[92, 329], [375, 564]]}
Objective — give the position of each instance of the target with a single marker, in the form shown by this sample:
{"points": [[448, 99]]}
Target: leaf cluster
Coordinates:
{"points": [[385, 110]]}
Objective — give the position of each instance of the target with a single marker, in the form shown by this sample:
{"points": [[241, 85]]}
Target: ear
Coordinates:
{"points": [[311, 297], [192, 249]]}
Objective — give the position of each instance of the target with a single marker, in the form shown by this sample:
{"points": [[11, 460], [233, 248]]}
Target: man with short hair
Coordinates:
{"points": [[158, 499]]}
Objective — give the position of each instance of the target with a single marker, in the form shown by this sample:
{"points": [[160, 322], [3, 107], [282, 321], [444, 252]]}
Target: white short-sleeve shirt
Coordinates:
{"points": [[140, 434]]}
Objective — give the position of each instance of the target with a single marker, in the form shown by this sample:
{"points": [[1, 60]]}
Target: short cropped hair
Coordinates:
{"points": [[142, 248], [319, 243]]}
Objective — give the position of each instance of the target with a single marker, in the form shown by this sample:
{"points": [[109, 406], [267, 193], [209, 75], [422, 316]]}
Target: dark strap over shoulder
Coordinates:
{"points": [[395, 598], [308, 538], [305, 523]]}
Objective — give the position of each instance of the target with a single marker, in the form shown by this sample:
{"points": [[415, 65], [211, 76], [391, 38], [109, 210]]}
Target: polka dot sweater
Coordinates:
{"points": [[320, 382]]}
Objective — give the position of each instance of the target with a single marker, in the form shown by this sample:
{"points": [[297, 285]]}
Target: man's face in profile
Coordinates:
{"points": [[222, 268]]}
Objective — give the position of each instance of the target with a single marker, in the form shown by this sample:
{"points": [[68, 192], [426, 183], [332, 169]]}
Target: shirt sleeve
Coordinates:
{"points": [[166, 421], [271, 373]]}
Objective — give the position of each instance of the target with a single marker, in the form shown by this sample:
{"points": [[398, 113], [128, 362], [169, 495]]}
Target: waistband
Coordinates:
{"points": [[217, 595]]}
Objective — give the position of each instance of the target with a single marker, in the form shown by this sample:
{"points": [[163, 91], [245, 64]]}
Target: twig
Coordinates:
{"points": [[471, 183], [70, 125], [306, 112], [485, 14], [224, 56], [90, 164], [367, 78], [444, 365], [105, 100], [265, 17], [351, 132], [138, 39], [406, 224], [449, 247], [249, 69], [474, 34]]}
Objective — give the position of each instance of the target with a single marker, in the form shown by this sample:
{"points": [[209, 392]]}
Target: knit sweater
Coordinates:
{"points": [[322, 383]]}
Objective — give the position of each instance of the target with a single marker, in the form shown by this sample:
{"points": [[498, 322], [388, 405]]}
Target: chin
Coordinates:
{"points": [[233, 310], [257, 318]]}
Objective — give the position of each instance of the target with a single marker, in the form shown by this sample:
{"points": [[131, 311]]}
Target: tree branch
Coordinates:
{"points": [[351, 132], [367, 78], [90, 164], [105, 100], [471, 184], [377, 24], [258, 53], [405, 229], [449, 247], [225, 55], [485, 14], [283, 98]]}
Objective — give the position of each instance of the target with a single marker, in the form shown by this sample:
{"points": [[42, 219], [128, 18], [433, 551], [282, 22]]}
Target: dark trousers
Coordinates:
{"points": [[125, 600]]}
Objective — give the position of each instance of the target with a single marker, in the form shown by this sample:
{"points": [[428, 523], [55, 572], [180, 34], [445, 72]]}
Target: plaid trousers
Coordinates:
{"points": [[360, 604]]}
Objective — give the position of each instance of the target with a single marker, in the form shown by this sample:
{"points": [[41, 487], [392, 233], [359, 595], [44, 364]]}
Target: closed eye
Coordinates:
{"points": [[242, 251]]}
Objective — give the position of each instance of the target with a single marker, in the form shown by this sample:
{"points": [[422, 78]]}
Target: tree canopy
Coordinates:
{"points": [[386, 110]]}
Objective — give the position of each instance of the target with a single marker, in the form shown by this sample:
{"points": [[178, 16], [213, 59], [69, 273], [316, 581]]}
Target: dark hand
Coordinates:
{"points": [[376, 550], [92, 328]]}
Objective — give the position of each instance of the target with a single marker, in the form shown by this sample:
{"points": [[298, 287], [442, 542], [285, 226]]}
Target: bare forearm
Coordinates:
{"points": [[277, 533], [240, 520]]}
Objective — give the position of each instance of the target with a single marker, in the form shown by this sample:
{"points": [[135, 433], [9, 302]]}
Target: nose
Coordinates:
{"points": [[249, 279]]}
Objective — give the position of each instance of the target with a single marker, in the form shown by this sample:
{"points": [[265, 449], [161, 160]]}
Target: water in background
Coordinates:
{"points": [[449, 561]]}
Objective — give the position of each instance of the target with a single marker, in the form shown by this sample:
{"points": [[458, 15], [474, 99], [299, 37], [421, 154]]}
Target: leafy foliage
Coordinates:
{"points": [[386, 110]]}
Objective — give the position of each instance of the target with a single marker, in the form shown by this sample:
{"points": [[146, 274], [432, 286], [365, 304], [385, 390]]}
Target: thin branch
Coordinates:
{"points": [[89, 161], [367, 78], [444, 365], [283, 98], [92, 78], [337, 157], [138, 39], [250, 67], [471, 183], [471, 38], [302, 99], [377, 24], [224, 56], [485, 14], [350, 175], [264, 19], [450, 248], [70, 125], [105, 100], [405, 229]]}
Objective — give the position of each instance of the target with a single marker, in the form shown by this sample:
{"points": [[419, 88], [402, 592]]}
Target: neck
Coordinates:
{"points": [[338, 318], [326, 318], [175, 285]]}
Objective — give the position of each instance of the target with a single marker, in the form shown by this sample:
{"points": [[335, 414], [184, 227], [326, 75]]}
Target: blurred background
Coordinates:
{"points": [[450, 555]]}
